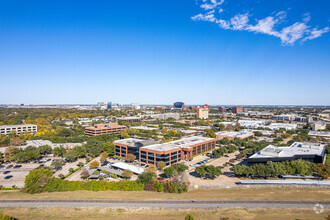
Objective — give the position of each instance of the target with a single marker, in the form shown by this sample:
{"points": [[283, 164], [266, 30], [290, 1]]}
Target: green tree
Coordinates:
{"points": [[59, 151], [127, 174], [130, 157], [37, 179], [210, 133], [57, 164], [94, 164], [161, 165], [45, 149], [103, 157], [146, 177]]}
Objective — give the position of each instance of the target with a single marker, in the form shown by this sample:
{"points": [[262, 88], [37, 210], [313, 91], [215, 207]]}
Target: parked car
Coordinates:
{"points": [[18, 166], [6, 172], [2, 167], [8, 177], [160, 178], [226, 155], [9, 166]]}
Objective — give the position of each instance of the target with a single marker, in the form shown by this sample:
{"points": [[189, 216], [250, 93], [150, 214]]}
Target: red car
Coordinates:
{"points": [[160, 178]]}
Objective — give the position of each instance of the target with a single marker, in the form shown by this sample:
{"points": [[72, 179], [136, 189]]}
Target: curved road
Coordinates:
{"points": [[170, 204]]}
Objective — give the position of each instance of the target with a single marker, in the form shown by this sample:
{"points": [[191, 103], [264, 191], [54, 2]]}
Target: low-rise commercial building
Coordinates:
{"points": [[277, 126], [129, 119], [175, 151], [6, 129], [231, 135], [319, 125], [323, 134], [312, 152], [100, 129], [251, 123], [131, 146]]}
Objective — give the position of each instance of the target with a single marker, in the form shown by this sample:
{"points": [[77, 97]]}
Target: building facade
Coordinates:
{"points": [[231, 135], [175, 151], [100, 129], [319, 125], [236, 110], [131, 146], [312, 152], [6, 129], [203, 112]]}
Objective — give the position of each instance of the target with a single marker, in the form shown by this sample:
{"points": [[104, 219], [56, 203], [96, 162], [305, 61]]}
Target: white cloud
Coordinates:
{"points": [[315, 33], [306, 17], [239, 21], [265, 26], [269, 25], [291, 34], [211, 4]]}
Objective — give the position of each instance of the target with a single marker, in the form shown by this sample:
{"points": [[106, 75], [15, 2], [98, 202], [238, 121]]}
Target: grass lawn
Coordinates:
{"points": [[285, 193], [160, 214]]}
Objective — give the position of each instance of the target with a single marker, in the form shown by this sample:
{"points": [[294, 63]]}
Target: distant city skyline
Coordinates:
{"points": [[216, 52]]}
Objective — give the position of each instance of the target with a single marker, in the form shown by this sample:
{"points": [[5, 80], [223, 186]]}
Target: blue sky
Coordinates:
{"points": [[158, 52]]}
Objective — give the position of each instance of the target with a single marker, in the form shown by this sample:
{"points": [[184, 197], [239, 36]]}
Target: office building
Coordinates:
{"points": [[131, 146], [136, 106], [312, 152], [178, 105], [222, 109], [278, 126], [319, 125], [129, 119], [109, 105], [100, 129], [202, 112], [6, 129], [236, 109], [231, 135], [323, 134], [175, 151]]}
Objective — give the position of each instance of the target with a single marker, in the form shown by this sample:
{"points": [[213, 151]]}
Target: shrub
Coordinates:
{"points": [[146, 177], [159, 187], [189, 217], [61, 176]]}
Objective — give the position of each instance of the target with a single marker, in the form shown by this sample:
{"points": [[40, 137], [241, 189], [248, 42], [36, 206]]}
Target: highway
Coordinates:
{"points": [[170, 204]]}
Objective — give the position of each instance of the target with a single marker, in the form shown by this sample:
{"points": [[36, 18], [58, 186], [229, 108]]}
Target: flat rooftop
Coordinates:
{"points": [[14, 126], [319, 133], [132, 141], [235, 134], [144, 128], [297, 148], [105, 126], [125, 166], [182, 143]]}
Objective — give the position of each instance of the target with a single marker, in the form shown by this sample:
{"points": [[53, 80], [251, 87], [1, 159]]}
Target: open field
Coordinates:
{"points": [[297, 194], [143, 214]]}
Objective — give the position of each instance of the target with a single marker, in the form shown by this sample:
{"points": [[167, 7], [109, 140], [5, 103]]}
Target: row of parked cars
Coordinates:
{"points": [[199, 163], [11, 166], [8, 171]]}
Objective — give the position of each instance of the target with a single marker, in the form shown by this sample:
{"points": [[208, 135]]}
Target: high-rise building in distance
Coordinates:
{"points": [[236, 109], [178, 105]]}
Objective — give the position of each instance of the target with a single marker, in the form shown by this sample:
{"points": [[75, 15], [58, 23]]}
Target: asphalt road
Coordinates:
{"points": [[170, 204]]}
